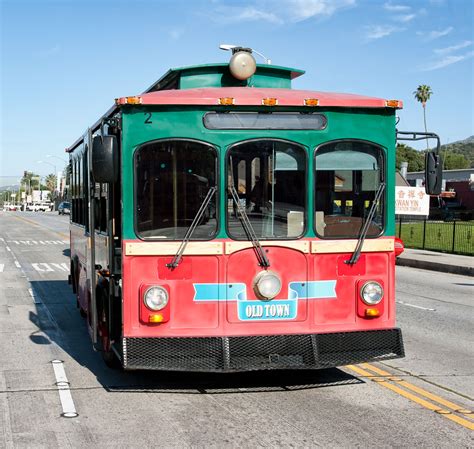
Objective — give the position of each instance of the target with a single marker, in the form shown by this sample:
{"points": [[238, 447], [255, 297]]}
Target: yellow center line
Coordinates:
{"points": [[41, 226], [420, 391], [384, 382]]}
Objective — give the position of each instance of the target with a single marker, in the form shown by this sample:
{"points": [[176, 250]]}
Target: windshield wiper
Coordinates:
{"points": [[244, 219], [365, 229], [177, 258]]}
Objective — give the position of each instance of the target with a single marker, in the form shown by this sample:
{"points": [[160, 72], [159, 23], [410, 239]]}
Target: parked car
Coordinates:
{"points": [[39, 207], [64, 208], [10, 207]]}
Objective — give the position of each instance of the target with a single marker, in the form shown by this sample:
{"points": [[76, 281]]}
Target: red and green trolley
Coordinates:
{"points": [[223, 221]]}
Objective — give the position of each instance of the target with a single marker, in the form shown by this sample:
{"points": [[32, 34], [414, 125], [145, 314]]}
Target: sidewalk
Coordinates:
{"points": [[430, 260]]}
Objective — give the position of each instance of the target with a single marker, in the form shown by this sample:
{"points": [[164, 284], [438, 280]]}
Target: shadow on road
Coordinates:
{"points": [[59, 321], [248, 382]]}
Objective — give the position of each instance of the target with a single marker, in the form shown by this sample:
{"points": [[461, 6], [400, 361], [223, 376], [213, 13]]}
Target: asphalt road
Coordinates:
{"points": [[424, 400]]}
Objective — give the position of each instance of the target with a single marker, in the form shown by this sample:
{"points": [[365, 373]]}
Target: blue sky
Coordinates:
{"points": [[63, 62]]}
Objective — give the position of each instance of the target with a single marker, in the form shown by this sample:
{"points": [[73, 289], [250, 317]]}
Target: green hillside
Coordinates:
{"points": [[456, 155], [460, 148]]}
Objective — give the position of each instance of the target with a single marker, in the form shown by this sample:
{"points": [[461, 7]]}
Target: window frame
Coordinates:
{"points": [[306, 186], [78, 161], [383, 178], [216, 151]]}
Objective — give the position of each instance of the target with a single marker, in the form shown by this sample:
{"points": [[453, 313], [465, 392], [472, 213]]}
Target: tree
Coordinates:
{"points": [[51, 182], [31, 181], [415, 159], [423, 94], [453, 161]]}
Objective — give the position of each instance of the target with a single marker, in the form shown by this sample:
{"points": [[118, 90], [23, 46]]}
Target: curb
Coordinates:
{"points": [[435, 266]]}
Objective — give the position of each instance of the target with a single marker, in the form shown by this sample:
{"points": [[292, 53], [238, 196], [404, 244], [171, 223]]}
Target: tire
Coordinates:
{"points": [[73, 277], [110, 359], [108, 355]]}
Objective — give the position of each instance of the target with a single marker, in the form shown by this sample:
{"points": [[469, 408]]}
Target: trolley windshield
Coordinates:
{"points": [[172, 179], [347, 177], [270, 179]]}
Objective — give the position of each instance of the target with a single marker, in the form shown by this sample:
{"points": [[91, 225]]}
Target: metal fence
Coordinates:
{"points": [[450, 236]]}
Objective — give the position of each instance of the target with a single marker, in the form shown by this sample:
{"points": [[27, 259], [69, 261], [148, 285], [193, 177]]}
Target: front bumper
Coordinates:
{"points": [[227, 354]]}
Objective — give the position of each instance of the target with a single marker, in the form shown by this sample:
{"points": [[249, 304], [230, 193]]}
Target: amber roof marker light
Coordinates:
{"points": [[397, 104], [128, 100], [311, 102]]}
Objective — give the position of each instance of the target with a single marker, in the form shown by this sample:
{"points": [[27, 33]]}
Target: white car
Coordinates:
{"points": [[39, 207], [10, 207]]}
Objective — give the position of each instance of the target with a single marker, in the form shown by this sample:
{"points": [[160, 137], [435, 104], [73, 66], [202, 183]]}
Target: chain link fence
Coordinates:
{"points": [[450, 237]]}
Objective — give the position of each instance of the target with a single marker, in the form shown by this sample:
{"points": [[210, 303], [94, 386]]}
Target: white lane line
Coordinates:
{"points": [[2, 266], [60, 266], [8, 248], [67, 404], [45, 267], [37, 242], [416, 307], [17, 264], [50, 267]]}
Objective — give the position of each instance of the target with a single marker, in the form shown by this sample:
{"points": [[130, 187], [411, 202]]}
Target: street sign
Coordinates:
{"points": [[411, 201]]}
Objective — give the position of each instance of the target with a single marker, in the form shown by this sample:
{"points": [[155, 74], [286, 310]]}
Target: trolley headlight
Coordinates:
{"points": [[371, 293], [267, 285], [155, 298]]}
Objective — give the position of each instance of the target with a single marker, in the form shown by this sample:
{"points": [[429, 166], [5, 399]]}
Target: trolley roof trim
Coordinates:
{"points": [[246, 96]]}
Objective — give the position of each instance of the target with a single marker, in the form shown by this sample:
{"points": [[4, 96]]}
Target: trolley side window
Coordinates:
{"points": [[269, 177], [347, 176], [172, 179]]}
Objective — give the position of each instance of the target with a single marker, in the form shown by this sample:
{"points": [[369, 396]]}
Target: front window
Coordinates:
{"points": [[269, 177], [347, 176], [172, 181]]}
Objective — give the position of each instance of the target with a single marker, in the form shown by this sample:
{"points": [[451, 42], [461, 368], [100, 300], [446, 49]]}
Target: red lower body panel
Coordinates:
{"points": [[213, 295]]}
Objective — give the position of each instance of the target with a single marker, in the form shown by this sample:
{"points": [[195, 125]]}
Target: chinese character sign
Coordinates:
{"points": [[411, 201]]}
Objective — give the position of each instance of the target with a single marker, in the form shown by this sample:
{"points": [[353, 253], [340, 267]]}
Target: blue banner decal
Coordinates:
{"points": [[276, 309], [313, 289], [219, 292]]}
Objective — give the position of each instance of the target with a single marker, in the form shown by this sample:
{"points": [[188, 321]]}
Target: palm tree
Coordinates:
{"points": [[29, 180], [423, 94], [51, 182]]}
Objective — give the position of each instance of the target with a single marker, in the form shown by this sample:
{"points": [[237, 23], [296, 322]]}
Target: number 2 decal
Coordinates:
{"points": [[148, 117]]}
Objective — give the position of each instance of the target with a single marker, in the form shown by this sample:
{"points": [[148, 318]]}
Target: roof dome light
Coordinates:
{"points": [[242, 65]]}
